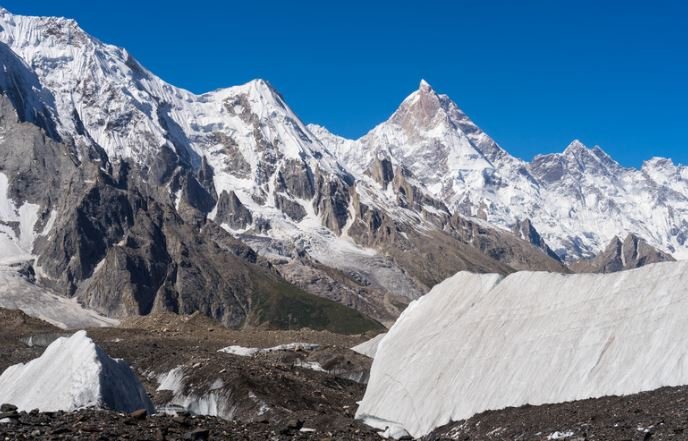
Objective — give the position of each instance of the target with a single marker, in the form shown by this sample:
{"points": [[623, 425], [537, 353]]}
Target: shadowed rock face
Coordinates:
{"points": [[332, 202], [382, 171], [290, 207], [232, 212], [296, 178], [526, 231], [632, 252]]}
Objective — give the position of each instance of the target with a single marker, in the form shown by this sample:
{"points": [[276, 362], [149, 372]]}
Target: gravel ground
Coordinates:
{"points": [[657, 415], [106, 425], [301, 399]]}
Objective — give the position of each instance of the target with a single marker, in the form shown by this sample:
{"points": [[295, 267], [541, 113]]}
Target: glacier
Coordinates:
{"points": [[41, 303], [73, 373], [479, 342]]}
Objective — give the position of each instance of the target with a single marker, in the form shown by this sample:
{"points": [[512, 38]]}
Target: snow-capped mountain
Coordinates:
{"points": [[236, 157], [105, 168], [577, 200]]}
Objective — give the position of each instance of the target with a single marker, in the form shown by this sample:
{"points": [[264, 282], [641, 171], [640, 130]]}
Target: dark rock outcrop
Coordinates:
{"points": [[526, 231], [633, 252], [232, 212], [291, 208]]}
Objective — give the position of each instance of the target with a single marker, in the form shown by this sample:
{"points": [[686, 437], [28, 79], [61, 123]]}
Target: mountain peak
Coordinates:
{"points": [[575, 146], [425, 86]]}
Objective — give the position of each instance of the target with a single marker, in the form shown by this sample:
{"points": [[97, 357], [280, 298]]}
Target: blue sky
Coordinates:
{"points": [[532, 74]]}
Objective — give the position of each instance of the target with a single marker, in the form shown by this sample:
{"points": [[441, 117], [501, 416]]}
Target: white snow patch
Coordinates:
{"points": [[310, 365], [477, 342], [250, 352], [172, 380], [240, 351], [560, 435], [15, 248]]}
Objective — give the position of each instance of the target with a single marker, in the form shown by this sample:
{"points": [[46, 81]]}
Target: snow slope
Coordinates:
{"points": [[73, 373], [479, 342], [18, 293]]}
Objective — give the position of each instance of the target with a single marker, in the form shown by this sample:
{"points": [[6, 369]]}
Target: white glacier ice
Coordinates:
{"points": [[73, 373], [479, 341], [369, 348]]}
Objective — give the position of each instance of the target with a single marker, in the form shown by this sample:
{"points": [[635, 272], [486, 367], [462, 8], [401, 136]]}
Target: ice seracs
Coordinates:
{"points": [[73, 373], [480, 342]]}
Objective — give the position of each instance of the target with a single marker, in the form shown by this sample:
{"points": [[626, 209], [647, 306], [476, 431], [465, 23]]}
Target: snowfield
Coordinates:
{"points": [[479, 341], [18, 293], [73, 373]]}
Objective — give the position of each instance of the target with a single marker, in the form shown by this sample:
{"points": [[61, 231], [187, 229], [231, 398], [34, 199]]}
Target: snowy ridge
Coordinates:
{"points": [[293, 190], [577, 200], [73, 373], [486, 342]]}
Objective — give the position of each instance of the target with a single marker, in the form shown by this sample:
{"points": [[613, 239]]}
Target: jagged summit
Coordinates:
{"points": [[424, 86], [575, 146]]}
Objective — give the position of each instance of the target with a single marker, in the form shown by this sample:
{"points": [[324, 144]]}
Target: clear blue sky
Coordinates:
{"points": [[533, 74]]}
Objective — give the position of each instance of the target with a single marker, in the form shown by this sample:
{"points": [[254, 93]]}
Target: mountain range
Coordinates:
{"points": [[135, 196]]}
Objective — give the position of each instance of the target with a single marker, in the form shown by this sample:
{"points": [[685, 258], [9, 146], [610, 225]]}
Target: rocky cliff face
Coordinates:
{"points": [[107, 234]]}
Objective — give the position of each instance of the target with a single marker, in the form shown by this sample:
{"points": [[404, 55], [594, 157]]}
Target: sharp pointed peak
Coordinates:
{"points": [[260, 84], [575, 146], [257, 86], [424, 86]]}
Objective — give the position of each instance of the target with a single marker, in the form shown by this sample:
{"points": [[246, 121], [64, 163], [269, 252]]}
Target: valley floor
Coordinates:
{"points": [[105, 425], [300, 403], [305, 404], [661, 414]]}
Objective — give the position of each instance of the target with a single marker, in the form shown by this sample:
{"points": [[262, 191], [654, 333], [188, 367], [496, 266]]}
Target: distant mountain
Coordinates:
{"points": [[135, 196], [632, 252], [577, 200]]}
